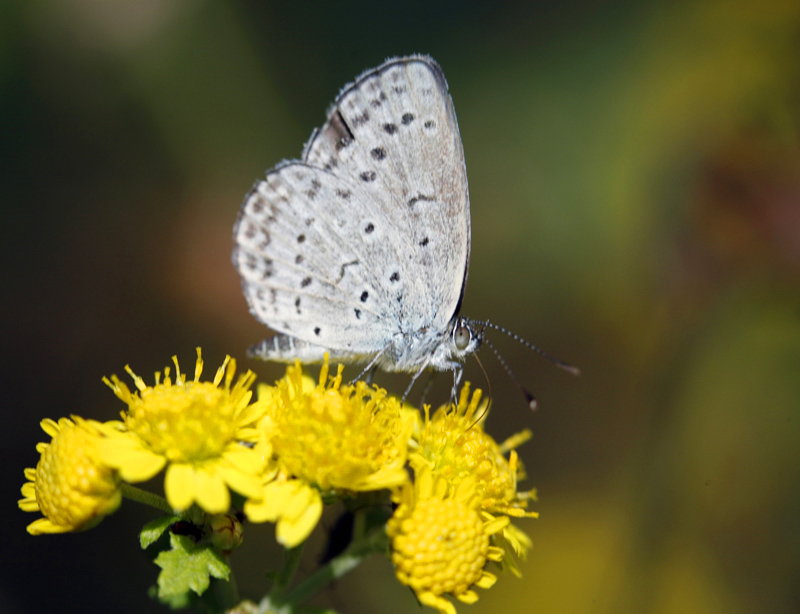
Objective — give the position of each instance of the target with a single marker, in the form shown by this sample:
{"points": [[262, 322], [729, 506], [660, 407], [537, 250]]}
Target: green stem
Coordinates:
{"points": [[147, 498], [359, 525], [351, 558], [286, 574], [227, 593]]}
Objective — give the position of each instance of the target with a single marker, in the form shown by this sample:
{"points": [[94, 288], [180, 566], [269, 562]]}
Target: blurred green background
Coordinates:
{"points": [[635, 184]]}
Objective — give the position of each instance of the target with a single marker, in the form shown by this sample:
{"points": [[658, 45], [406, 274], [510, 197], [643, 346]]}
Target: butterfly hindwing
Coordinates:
{"points": [[301, 260]]}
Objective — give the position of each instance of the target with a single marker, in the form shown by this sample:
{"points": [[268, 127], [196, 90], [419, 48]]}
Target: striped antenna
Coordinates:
{"points": [[525, 392]]}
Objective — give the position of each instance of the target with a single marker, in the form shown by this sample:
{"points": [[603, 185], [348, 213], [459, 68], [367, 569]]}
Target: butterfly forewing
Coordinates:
{"points": [[395, 130]]}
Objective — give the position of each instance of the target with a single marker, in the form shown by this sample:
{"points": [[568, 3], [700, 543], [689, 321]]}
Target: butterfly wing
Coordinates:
{"points": [[367, 237], [304, 256], [395, 128]]}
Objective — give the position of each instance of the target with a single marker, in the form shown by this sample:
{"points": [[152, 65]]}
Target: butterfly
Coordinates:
{"points": [[360, 249]]}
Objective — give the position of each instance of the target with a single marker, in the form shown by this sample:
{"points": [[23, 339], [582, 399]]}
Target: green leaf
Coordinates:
{"points": [[155, 529], [187, 567]]}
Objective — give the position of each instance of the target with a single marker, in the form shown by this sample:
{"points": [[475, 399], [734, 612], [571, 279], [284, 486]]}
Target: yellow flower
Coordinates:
{"points": [[203, 432], [441, 542], [335, 437], [326, 438], [453, 444], [69, 486]]}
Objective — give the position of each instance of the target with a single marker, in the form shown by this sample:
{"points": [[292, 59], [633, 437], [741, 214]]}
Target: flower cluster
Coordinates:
{"points": [[456, 515], [280, 458]]}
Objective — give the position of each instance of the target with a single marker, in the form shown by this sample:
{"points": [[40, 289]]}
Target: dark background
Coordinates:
{"points": [[635, 184]]}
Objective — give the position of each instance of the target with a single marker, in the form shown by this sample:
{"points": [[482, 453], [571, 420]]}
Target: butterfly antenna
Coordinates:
{"points": [[559, 363], [525, 392]]}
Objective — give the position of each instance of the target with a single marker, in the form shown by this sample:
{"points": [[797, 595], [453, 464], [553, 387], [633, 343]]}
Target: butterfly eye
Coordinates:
{"points": [[462, 335]]}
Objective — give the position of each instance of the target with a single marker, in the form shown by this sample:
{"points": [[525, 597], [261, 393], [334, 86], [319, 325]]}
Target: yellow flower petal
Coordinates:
{"points": [[468, 597], [29, 489], [242, 482], [134, 463], [292, 530], [179, 486], [487, 580], [28, 504], [435, 601], [295, 506], [50, 427], [43, 526], [211, 493]]}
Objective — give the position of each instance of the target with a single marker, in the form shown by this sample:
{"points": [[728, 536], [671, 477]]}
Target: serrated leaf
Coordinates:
{"points": [[155, 529], [187, 567]]}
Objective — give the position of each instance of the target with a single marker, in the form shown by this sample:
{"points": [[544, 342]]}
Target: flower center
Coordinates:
{"points": [[184, 423], [441, 547]]}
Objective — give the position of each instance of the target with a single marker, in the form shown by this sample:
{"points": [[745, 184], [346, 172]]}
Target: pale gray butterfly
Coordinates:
{"points": [[361, 248]]}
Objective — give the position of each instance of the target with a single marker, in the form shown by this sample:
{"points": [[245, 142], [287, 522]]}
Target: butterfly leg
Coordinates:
{"points": [[371, 366], [427, 389], [416, 375], [458, 371]]}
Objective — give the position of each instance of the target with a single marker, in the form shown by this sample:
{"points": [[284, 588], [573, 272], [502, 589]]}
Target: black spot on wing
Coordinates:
{"points": [[376, 102], [268, 268], [344, 267], [419, 197], [314, 190], [361, 119]]}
